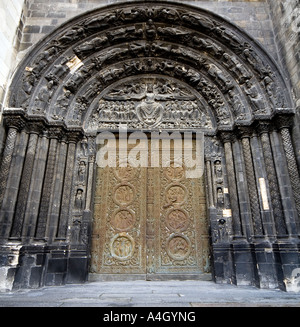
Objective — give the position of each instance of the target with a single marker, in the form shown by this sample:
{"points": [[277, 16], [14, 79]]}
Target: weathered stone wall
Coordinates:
{"points": [[11, 25], [286, 18], [286, 21], [10, 28]]}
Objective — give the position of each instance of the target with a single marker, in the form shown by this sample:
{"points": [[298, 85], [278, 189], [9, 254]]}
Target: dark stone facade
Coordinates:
{"points": [[52, 119]]}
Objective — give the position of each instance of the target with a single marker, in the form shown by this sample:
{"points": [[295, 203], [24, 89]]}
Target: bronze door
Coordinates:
{"points": [[149, 221]]}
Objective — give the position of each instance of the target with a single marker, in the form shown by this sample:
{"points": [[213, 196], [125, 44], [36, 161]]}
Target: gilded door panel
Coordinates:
{"points": [[118, 242]]}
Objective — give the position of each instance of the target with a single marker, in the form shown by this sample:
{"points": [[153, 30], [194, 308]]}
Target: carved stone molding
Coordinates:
{"points": [[15, 121], [245, 132], [18, 119], [64, 74], [74, 136], [228, 137], [264, 127], [284, 121]]}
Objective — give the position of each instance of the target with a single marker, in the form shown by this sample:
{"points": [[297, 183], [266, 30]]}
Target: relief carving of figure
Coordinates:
{"points": [[178, 248], [124, 195], [122, 247], [218, 75], [123, 220], [269, 85], [208, 45], [91, 46], [237, 105], [169, 14], [100, 21], [78, 110], [43, 97], [236, 67], [221, 110], [25, 91], [150, 29], [149, 111], [172, 31], [218, 172], [255, 97], [58, 71], [84, 147], [220, 197], [79, 199], [42, 60], [81, 172], [197, 20], [61, 105], [232, 39], [72, 35], [76, 231]]}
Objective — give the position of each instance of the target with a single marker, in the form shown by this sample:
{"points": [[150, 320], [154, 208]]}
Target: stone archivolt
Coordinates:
{"points": [[232, 75]]}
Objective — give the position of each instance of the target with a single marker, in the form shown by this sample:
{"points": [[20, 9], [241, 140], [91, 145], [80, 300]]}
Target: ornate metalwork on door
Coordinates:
{"points": [[149, 221], [118, 242]]}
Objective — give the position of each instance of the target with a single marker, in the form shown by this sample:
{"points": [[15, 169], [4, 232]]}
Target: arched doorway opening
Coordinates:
{"points": [[201, 72], [153, 222]]}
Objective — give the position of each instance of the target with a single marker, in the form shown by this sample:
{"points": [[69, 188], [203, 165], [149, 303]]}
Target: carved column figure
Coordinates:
{"points": [[227, 139], [15, 124], [263, 130], [246, 133]]}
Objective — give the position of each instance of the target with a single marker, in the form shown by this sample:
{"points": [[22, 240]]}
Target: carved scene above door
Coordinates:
{"points": [[149, 103]]}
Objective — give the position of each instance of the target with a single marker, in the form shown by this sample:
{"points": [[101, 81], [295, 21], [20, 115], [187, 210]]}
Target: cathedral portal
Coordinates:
{"points": [[149, 67]]}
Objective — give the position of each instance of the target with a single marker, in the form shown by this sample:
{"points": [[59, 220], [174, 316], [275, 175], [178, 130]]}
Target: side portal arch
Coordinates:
{"points": [[153, 66]]}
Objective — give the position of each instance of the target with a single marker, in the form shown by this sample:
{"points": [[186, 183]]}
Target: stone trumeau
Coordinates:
{"points": [[155, 67]]}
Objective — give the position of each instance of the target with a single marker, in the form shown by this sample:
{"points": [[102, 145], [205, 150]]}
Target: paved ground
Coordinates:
{"points": [[150, 294]]}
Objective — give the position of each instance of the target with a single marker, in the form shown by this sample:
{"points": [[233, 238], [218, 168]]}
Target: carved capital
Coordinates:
{"points": [[227, 137], [74, 136], [92, 158], [55, 132], [264, 127], [35, 127], [15, 121], [284, 122], [245, 132]]}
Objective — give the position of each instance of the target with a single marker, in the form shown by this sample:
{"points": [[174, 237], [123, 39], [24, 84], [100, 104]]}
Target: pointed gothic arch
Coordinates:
{"points": [[109, 55]]}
